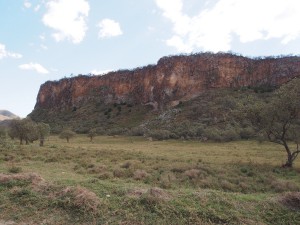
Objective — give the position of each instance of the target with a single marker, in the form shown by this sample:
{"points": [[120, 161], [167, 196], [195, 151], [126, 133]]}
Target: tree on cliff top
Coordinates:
{"points": [[279, 119]]}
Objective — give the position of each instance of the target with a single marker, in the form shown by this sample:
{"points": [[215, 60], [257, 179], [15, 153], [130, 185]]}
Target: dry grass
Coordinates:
{"points": [[192, 174], [33, 178], [85, 180], [140, 175], [79, 197], [291, 200]]}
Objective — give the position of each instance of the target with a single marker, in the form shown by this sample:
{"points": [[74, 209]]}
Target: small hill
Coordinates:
{"points": [[6, 116]]}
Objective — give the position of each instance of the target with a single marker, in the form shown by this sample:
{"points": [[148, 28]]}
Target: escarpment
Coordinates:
{"points": [[173, 79]]}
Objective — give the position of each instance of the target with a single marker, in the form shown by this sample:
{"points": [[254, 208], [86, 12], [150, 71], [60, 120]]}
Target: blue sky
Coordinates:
{"points": [[44, 40]]}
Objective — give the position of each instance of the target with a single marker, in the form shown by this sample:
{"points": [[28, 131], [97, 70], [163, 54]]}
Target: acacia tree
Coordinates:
{"points": [[279, 119], [43, 131], [24, 130], [92, 133], [67, 134]]}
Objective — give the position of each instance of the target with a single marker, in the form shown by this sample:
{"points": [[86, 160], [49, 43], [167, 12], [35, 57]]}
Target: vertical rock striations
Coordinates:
{"points": [[173, 79]]}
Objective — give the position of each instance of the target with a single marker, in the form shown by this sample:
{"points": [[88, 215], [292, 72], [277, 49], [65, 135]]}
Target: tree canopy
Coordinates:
{"points": [[279, 119], [67, 134]]}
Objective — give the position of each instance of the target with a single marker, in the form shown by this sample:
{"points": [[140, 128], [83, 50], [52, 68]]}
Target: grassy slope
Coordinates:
{"points": [[201, 183]]}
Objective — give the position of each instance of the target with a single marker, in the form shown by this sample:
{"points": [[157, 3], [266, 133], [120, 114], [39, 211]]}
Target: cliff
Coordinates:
{"points": [[173, 79]]}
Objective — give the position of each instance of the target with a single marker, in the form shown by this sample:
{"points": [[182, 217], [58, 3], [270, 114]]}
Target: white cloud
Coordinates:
{"points": [[44, 47], [27, 4], [37, 8], [42, 37], [100, 72], [109, 28], [7, 54], [34, 66], [249, 20], [67, 18]]}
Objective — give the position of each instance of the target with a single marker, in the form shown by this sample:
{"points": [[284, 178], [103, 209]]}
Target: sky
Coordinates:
{"points": [[43, 40]]}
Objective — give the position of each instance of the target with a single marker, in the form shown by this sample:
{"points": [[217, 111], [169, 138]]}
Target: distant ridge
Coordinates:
{"points": [[7, 115]]}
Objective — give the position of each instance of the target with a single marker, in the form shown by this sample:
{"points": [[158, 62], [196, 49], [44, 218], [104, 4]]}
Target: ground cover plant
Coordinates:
{"points": [[131, 180]]}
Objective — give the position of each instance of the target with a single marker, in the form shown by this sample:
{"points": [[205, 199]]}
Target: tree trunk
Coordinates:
{"points": [[41, 142], [68, 140], [290, 159]]}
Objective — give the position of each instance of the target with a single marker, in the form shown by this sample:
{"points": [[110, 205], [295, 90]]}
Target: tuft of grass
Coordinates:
{"points": [[14, 169]]}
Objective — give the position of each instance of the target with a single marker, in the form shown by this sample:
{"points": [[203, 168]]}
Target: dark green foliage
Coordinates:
{"points": [[28, 130], [279, 118]]}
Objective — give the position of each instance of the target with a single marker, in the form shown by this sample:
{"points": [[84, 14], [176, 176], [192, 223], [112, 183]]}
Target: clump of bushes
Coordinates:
{"points": [[137, 131], [221, 135], [160, 134]]}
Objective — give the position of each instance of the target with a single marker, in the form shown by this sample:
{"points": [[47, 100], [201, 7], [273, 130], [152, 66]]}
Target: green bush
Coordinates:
{"points": [[221, 135], [137, 131], [160, 134]]}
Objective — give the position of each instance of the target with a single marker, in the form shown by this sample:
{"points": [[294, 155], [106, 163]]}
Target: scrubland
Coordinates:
{"points": [[131, 180]]}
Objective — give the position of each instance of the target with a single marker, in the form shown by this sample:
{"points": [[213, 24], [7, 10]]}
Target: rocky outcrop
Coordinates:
{"points": [[173, 79]]}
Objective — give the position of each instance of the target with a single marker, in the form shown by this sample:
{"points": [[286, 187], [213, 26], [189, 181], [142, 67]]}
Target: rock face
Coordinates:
{"points": [[173, 79]]}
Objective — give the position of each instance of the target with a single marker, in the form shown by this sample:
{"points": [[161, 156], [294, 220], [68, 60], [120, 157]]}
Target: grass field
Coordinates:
{"points": [[130, 180]]}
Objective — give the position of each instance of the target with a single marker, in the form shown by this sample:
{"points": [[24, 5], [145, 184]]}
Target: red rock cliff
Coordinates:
{"points": [[173, 79]]}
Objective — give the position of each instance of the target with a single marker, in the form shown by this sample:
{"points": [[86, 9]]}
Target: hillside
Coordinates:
{"points": [[6, 116], [131, 98]]}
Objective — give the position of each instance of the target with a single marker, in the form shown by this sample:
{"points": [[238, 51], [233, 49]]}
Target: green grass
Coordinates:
{"points": [[130, 180]]}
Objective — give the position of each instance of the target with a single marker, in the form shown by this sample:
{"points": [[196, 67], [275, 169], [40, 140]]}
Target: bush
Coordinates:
{"points": [[160, 134], [247, 132], [215, 134], [116, 131], [137, 131]]}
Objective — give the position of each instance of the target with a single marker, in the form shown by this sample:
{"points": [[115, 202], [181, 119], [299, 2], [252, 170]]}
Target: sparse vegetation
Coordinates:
{"points": [[129, 180]]}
